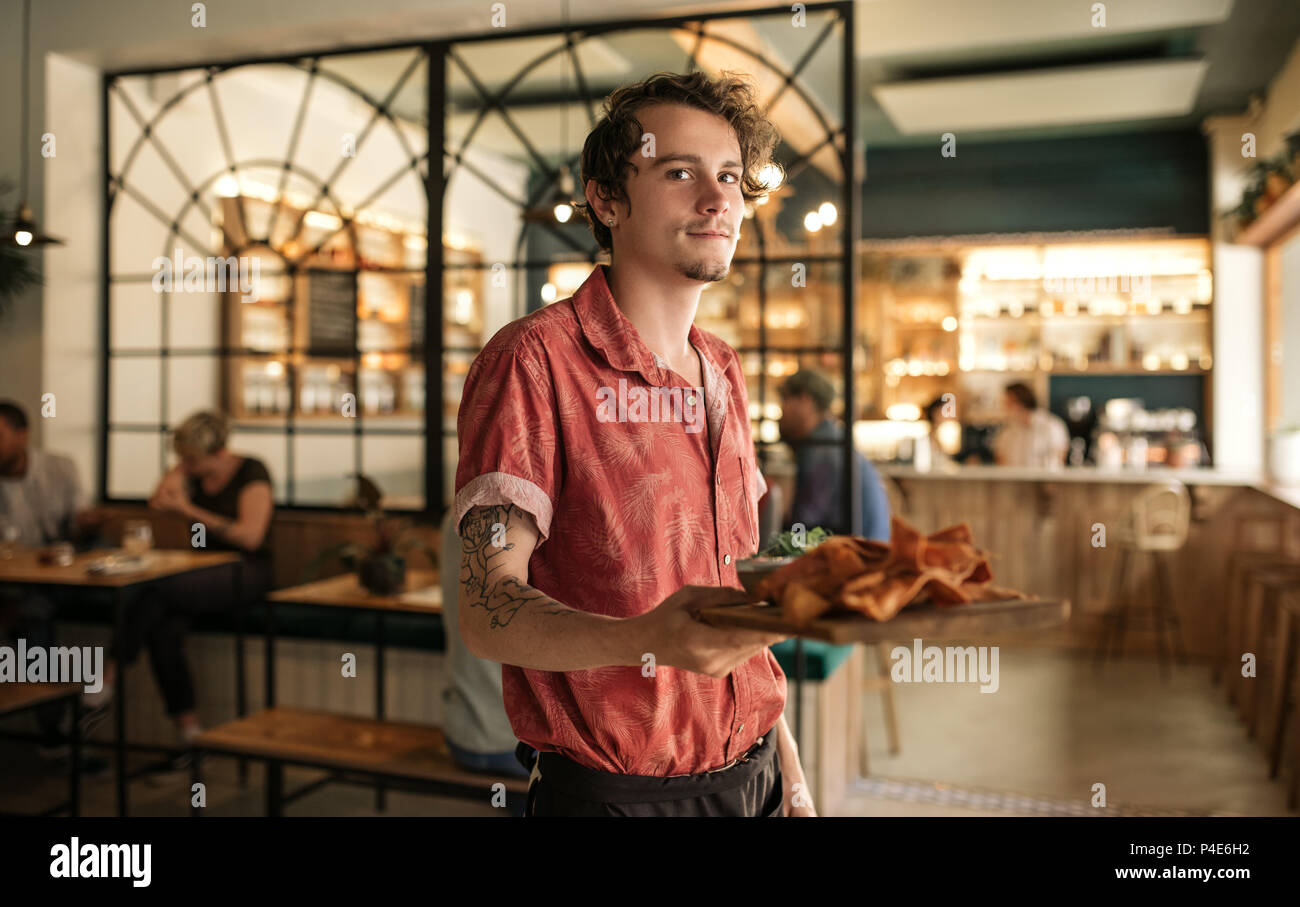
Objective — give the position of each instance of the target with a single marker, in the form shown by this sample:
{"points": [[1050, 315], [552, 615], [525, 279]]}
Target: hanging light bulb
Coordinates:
{"points": [[24, 232]]}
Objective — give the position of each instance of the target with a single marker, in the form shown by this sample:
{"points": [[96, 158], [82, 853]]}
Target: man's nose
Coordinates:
{"points": [[713, 200]]}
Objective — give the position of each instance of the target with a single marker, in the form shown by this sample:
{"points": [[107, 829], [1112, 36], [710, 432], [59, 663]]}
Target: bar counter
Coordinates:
{"points": [[1040, 527]]}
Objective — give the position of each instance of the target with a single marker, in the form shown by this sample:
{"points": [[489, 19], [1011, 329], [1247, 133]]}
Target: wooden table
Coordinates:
{"points": [[24, 569], [345, 591]]}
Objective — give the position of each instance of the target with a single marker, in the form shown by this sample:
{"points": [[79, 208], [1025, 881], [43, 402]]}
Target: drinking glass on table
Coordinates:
{"points": [[8, 539], [137, 537]]}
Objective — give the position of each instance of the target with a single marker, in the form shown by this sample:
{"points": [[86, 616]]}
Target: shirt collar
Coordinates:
{"points": [[608, 330]]}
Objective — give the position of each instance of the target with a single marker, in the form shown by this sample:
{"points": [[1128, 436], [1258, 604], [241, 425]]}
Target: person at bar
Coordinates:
{"points": [[230, 495], [607, 485], [1030, 436], [940, 424], [41, 502], [817, 439]]}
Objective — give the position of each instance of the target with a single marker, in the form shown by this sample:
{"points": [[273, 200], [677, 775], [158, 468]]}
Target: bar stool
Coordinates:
{"points": [[1240, 563], [1281, 709], [1242, 567], [1265, 587], [1157, 525], [881, 682]]}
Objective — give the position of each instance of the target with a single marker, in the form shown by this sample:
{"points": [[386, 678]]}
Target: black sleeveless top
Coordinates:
{"points": [[226, 503]]}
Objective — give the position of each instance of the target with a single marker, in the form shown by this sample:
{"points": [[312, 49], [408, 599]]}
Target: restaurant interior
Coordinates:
{"points": [[1098, 203]]}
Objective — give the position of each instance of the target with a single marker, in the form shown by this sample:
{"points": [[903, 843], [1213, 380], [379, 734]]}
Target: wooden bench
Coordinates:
{"points": [[19, 697], [414, 755]]}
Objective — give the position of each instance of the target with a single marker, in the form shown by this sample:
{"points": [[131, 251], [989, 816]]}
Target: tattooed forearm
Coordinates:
{"points": [[485, 538]]}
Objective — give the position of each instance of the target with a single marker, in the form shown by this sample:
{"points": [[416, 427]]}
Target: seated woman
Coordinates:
{"points": [[230, 495]]}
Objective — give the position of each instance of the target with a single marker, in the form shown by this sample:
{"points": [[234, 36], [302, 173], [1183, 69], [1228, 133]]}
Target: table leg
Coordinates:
{"points": [[381, 794], [196, 756], [274, 789], [74, 782], [241, 685], [270, 652], [800, 672], [119, 694]]}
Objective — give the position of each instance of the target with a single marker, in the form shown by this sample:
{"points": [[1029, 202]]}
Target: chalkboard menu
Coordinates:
{"points": [[416, 308], [331, 312]]}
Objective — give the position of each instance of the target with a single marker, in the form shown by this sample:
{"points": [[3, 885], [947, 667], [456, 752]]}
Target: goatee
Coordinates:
{"points": [[711, 272]]}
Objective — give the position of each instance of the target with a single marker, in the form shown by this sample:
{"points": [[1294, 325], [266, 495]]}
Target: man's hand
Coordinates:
{"points": [[90, 519], [676, 638]]}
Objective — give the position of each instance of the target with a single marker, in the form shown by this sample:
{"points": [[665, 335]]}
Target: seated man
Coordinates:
{"points": [[41, 502], [806, 398]]}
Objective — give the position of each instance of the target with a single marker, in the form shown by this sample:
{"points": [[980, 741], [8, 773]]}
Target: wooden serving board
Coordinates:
{"points": [[922, 621]]}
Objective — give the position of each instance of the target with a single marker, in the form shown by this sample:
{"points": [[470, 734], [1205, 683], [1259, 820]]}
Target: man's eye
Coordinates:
{"points": [[677, 170], [735, 178]]}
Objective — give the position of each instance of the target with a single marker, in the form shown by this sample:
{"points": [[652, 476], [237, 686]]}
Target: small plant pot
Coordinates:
{"points": [[382, 574]]}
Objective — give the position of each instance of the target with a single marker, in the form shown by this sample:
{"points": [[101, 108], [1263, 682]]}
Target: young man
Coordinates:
{"points": [[607, 486]]}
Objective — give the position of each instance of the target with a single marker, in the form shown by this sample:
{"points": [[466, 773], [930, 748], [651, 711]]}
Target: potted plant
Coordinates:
{"points": [[380, 566]]}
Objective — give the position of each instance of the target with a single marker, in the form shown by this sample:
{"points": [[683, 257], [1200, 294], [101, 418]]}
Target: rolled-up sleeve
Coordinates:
{"points": [[507, 434]]}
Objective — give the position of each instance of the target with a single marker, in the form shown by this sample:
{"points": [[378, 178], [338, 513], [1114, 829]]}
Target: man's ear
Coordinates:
{"points": [[600, 208]]}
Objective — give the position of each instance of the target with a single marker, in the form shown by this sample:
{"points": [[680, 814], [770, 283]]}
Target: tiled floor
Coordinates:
{"points": [[1035, 747], [1053, 729]]}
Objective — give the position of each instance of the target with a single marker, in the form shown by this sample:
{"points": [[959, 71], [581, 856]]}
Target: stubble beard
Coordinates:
{"points": [[708, 271]]}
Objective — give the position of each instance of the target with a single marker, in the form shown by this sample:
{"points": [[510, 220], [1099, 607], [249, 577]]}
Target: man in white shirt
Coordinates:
{"points": [[41, 502], [1030, 436]]}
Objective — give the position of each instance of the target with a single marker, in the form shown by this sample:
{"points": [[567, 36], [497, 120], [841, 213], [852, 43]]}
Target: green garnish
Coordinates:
{"points": [[783, 545]]}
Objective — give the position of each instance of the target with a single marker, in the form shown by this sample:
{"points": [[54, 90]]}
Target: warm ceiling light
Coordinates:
{"points": [[24, 231], [812, 222], [827, 213], [563, 211]]}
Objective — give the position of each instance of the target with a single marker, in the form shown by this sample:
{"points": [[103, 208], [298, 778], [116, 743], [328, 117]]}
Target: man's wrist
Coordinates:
{"points": [[629, 642]]}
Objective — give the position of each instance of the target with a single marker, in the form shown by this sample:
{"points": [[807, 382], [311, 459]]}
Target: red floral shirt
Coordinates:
{"points": [[568, 415]]}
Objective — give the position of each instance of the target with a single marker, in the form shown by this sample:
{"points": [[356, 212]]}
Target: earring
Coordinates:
{"points": [[611, 221]]}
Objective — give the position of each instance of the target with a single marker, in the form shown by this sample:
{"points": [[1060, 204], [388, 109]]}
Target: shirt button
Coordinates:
{"points": [[726, 558], [690, 401], [741, 728], [719, 480]]}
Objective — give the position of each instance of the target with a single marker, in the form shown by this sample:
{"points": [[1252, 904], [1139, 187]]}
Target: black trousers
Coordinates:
{"points": [[160, 618], [561, 787]]}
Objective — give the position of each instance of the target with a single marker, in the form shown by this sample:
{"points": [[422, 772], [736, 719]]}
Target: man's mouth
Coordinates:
{"points": [[710, 234]]}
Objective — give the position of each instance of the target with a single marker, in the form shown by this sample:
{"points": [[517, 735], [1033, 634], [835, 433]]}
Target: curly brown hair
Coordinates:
{"points": [[618, 133]]}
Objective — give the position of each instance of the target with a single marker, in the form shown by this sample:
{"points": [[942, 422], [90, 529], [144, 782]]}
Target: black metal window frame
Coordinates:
{"points": [[438, 55]]}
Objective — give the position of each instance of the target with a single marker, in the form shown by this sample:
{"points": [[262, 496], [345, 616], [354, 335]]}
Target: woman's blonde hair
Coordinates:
{"points": [[201, 434]]}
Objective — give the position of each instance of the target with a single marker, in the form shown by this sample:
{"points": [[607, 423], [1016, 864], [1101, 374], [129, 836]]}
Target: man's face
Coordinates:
{"points": [[13, 441], [686, 203], [798, 417]]}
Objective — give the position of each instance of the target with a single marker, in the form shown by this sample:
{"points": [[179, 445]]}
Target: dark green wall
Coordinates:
{"points": [[1107, 182]]}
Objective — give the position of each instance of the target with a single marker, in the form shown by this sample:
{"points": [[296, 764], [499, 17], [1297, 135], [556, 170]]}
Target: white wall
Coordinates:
{"points": [[1239, 272]]}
